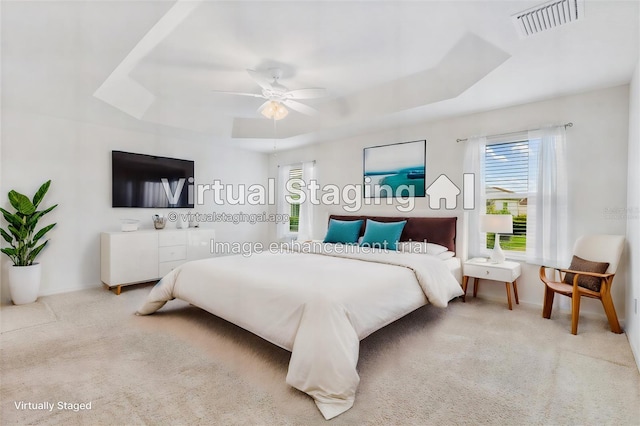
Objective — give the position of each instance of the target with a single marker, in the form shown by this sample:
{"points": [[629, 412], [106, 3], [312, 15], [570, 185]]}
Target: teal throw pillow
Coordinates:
{"points": [[382, 235], [343, 231]]}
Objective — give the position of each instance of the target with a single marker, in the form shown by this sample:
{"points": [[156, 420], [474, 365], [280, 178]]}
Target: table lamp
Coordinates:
{"points": [[497, 224]]}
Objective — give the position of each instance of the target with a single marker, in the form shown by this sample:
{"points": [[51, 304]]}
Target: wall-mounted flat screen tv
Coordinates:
{"points": [[148, 181]]}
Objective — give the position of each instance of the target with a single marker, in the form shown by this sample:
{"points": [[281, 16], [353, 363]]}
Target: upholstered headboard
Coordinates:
{"points": [[438, 230]]}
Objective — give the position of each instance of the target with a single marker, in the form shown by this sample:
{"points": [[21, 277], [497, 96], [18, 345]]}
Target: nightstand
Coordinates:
{"points": [[507, 272]]}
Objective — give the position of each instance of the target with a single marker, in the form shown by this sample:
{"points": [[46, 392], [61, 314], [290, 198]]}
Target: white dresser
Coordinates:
{"points": [[147, 255]]}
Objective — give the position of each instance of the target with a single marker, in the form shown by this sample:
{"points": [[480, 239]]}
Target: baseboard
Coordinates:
{"points": [[52, 292], [503, 300], [635, 352], [556, 309]]}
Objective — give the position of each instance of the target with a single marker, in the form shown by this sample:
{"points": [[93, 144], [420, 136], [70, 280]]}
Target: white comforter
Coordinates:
{"points": [[317, 305]]}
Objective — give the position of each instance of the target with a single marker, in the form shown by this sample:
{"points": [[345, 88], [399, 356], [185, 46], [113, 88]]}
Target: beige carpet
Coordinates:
{"points": [[472, 363], [20, 317]]}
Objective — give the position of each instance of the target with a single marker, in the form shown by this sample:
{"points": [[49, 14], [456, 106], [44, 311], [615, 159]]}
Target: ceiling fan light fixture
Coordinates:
{"points": [[279, 99], [275, 110]]}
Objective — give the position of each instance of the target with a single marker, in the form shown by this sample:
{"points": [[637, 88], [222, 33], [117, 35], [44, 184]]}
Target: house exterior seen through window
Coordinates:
{"points": [[294, 210], [506, 177]]}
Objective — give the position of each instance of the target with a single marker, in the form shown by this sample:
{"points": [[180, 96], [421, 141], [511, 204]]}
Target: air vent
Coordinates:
{"points": [[547, 16]]}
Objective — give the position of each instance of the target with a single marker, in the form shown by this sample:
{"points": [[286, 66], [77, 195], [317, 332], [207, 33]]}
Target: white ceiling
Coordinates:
{"points": [[157, 64]]}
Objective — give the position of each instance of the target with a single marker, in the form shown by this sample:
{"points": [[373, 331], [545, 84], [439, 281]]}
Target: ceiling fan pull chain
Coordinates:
{"points": [[275, 134]]}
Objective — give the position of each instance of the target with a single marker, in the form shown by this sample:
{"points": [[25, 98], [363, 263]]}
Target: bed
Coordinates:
{"points": [[319, 300]]}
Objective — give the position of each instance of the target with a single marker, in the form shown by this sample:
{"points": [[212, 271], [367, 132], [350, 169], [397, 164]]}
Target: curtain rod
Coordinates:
{"points": [[569, 124]]}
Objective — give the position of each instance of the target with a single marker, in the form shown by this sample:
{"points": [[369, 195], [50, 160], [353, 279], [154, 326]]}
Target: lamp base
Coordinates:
{"points": [[497, 255]]}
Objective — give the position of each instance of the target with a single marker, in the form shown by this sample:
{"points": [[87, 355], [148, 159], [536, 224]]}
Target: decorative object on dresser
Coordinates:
{"points": [[498, 224], [182, 220], [129, 225], [138, 257], [589, 278], [480, 268], [25, 274], [159, 221]]}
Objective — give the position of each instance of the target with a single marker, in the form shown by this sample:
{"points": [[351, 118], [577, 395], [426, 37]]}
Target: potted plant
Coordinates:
{"points": [[24, 276]]}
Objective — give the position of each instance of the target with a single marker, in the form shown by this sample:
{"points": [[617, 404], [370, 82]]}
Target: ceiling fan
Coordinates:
{"points": [[278, 97]]}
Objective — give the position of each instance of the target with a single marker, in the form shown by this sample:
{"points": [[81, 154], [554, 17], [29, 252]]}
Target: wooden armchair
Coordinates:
{"points": [[590, 275]]}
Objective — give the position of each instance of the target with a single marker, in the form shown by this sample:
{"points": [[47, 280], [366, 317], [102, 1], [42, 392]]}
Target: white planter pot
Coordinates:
{"points": [[24, 283]]}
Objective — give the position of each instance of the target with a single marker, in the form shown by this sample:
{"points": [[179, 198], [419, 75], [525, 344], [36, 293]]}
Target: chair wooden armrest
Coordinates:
{"points": [[553, 284], [591, 274], [574, 288], [543, 272]]}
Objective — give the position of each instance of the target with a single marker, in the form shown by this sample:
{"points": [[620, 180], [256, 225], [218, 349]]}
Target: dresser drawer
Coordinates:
{"points": [[172, 238], [490, 273], [168, 254]]}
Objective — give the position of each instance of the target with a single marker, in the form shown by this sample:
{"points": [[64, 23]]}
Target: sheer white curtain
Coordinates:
{"points": [[547, 204], [474, 164], [305, 223], [283, 208]]}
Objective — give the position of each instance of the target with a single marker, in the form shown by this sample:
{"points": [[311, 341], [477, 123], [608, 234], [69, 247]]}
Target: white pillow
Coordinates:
{"points": [[421, 247], [412, 247], [435, 249], [446, 255]]}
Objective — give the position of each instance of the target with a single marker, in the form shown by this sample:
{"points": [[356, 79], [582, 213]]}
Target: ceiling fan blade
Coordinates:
{"points": [[302, 108], [263, 106], [254, 95], [260, 79], [306, 93]]}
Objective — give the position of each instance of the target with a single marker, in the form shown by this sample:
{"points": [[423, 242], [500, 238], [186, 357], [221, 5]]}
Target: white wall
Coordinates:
{"points": [[77, 158], [597, 152], [632, 321]]}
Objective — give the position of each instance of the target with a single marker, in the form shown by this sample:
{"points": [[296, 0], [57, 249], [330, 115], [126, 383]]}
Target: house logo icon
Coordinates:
{"points": [[444, 189]]}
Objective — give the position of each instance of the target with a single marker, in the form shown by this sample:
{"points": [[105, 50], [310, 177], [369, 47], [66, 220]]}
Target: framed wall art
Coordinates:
{"points": [[395, 170]]}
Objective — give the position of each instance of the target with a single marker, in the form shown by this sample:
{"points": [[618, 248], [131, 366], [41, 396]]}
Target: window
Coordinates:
{"points": [[294, 206], [506, 177], [523, 175], [294, 203]]}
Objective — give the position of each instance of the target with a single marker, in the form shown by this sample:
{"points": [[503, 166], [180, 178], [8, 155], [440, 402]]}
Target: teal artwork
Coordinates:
{"points": [[396, 170]]}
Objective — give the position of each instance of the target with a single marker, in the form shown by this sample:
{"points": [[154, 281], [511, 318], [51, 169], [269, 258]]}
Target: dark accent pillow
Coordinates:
{"points": [[580, 264]]}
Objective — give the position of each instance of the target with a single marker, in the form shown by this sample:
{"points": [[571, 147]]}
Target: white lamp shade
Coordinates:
{"points": [[496, 223]]}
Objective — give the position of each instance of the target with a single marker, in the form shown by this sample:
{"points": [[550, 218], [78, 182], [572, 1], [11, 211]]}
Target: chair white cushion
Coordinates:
{"points": [[600, 248]]}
